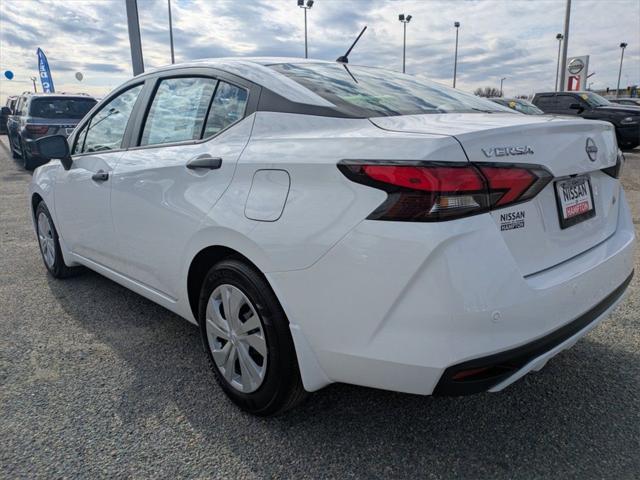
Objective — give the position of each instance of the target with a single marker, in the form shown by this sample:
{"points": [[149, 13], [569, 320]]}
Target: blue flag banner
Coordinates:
{"points": [[45, 73]]}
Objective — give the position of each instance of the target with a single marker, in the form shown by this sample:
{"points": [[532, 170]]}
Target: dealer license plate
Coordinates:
{"points": [[575, 200]]}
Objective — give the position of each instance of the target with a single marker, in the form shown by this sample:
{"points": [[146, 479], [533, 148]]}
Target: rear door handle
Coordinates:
{"points": [[100, 176], [204, 161]]}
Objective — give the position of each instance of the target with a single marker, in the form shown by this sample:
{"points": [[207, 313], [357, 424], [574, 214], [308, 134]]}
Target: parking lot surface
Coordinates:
{"points": [[96, 381]]}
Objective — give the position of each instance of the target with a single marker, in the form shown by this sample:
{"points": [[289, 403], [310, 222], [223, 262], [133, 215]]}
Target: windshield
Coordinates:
{"points": [[594, 100], [73, 108], [526, 107], [374, 92]]}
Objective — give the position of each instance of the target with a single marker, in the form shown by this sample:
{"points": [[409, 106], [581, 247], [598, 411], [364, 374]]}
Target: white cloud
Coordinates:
{"points": [[498, 38]]}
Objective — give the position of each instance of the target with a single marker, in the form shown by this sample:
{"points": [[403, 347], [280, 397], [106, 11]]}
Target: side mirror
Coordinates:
{"points": [[576, 106], [5, 111], [55, 146]]}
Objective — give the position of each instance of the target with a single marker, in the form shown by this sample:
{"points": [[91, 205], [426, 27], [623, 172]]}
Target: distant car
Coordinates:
{"points": [[634, 102], [592, 106], [519, 105], [38, 115], [5, 112]]}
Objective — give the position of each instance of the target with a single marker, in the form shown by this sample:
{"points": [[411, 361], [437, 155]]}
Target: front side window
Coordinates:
{"points": [[106, 128], [594, 100], [565, 101], [373, 92], [228, 107], [178, 111]]}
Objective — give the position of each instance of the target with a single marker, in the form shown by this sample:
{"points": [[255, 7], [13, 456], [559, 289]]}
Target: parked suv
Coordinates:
{"points": [[592, 106], [38, 115]]}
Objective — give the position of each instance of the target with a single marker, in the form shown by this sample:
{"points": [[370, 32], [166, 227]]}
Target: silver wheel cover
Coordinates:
{"points": [[236, 338], [45, 238]]}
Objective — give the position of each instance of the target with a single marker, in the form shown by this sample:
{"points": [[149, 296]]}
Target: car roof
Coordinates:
{"points": [[256, 70]]}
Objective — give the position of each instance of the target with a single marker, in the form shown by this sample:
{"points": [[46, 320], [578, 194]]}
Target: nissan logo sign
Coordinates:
{"points": [[576, 66], [592, 149]]}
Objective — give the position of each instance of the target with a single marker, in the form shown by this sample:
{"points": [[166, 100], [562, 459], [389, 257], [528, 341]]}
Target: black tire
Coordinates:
{"points": [[58, 269], [282, 387], [12, 147], [28, 161]]}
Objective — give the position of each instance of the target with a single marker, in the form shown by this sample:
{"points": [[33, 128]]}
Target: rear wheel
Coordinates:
{"points": [[247, 340], [50, 244], [15, 154], [27, 159]]}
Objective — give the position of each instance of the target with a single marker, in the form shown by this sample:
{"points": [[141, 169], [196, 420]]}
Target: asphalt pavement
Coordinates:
{"points": [[96, 382]]}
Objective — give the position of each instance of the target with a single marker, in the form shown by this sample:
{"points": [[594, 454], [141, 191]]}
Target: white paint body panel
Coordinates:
{"points": [[382, 304]]}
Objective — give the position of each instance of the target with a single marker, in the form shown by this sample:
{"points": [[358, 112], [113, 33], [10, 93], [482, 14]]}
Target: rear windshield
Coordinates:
{"points": [[374, 92], [75, 108]]}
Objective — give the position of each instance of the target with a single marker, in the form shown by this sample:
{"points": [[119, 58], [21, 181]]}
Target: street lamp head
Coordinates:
{"points": [[623, 45], [408, 18], [401, 17], [456, 24], [309, 3], [301, 3], [559, 36]]}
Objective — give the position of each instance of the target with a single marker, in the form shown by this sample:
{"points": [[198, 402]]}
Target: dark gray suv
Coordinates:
{"points": [[42, 114]]}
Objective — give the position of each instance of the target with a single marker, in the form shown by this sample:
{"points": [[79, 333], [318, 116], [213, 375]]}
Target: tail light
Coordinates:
{"points": [[615, 170], [37, 129], [432, 191]]}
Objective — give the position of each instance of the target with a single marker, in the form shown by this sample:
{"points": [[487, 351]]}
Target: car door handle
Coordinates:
{"points": [[100, 176], [204, 161]]}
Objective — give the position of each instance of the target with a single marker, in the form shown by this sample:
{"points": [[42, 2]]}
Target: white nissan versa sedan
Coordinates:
{"points": [[330, 223]]}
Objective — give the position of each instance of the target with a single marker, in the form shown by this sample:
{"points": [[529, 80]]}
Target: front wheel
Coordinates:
{"points": [[50, 244], [247, 339]]}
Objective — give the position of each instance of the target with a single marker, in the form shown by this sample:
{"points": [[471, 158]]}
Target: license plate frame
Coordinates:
{"points": [[571, 220]]}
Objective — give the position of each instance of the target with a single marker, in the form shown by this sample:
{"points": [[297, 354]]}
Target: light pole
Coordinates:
{"points": [[404, 21], [305, 6], [35, 89], [565, 46], [559, 37], [623, 45], [133, 24], [173, 58], [501, 82], [455, 57]]}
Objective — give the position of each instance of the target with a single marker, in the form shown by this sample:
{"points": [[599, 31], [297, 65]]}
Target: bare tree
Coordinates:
{"points": [[487, 92]]}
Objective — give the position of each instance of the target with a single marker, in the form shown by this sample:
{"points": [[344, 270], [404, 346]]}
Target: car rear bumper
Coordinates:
{"points": [[500, 370], [399, 307]]}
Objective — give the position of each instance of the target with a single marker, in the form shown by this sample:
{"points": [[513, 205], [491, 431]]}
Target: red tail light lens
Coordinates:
{"points": [[428, 191], [37, 129]]}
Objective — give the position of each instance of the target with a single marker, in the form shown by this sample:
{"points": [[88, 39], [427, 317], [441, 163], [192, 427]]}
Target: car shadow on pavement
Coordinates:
{"points": [[547, 424]]}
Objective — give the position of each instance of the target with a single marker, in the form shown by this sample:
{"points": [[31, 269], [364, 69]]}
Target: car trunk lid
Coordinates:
{"points": [[532, 230]]}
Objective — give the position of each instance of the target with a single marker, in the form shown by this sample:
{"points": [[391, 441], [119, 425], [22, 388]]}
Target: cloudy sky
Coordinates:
{"points": [[498, 38]]}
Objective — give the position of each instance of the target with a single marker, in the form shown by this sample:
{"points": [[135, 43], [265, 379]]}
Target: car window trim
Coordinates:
{"points": [[254, 91], [198, 73]]}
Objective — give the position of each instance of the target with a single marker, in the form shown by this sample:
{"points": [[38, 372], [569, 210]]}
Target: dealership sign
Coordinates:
{"points": [[576, 74]]}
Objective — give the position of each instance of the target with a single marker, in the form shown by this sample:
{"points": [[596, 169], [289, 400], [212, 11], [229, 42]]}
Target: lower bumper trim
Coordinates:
{"points": [[481, 374]]}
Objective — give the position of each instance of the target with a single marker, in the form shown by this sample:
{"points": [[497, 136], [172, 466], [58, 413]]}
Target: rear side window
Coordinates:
{"points": [[228, 107], [59, 108], [105, 130], [545, 102], [178, 111]]}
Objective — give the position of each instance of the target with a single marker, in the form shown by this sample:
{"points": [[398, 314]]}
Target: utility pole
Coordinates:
{"points": [[623, 45], [173, 58], [135, 43], [455, 58], [306, 6], [501, 82], [404, 19], [565, 45], [559, 37]]}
